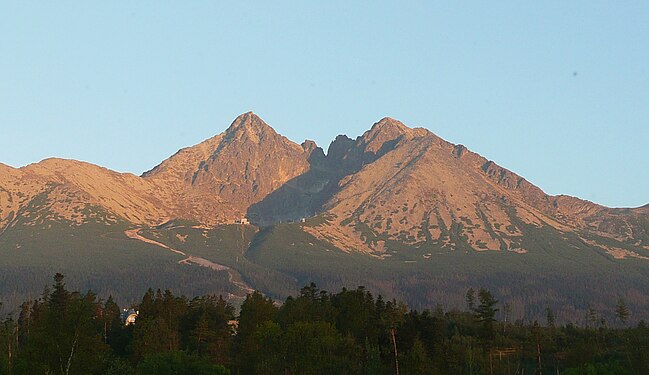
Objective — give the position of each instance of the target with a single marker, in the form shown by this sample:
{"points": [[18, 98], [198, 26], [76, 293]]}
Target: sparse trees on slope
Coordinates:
{"points": [[486, 312], [622, 311]]}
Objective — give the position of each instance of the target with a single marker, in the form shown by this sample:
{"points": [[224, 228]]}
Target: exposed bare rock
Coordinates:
{"points": [[409, 187], [219, 179], [390, 189]]}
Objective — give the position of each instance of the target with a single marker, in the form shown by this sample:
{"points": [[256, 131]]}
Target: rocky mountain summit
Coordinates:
{"points": [[392, 188], [397, 209]]}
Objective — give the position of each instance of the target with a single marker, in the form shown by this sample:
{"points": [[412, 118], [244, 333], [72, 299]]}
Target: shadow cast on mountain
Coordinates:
{"points": [[305, 195]]}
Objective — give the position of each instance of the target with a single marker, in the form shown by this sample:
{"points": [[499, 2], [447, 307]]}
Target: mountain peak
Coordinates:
{"points": [[390, 123], [247, 120], [387, 130], [249, 126], [389, 127]]}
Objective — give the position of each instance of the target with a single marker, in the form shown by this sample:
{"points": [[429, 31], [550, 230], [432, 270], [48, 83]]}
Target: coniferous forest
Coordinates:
{"points": [[316, 332]]}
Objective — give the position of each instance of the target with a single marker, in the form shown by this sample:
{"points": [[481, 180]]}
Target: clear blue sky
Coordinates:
{"points": [[557, 91]]}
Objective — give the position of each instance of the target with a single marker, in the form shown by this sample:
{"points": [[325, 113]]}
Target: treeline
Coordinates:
{"points": [[316, 332], [125, 284]]}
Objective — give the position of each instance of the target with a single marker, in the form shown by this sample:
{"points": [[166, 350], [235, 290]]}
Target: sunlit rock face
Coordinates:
{"points": [[392, 188]]}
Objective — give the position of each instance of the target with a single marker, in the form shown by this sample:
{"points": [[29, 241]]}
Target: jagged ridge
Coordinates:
{"points": [[391, 188]]}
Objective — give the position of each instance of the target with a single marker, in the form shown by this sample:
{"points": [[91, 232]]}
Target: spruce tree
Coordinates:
{"points": [[622, 311]]}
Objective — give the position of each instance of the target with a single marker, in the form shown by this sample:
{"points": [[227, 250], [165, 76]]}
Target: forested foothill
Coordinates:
{"points": [[315, 332]]}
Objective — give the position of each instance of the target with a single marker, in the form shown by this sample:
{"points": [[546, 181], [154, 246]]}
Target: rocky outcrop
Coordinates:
{"points": [[218, 180], [390, 189]]}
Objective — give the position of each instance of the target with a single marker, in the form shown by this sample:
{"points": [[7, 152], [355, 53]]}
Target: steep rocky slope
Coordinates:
{"points": [[392, 188], [218, 180], [397, 209], [72, 191], [399, 187], [213, 182]]}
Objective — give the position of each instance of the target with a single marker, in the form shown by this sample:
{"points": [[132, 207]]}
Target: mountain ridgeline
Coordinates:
{"points": [[397, 209]]}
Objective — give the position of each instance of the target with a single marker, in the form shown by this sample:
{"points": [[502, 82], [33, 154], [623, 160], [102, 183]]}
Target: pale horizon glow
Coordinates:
{"points": [[557, 92]]}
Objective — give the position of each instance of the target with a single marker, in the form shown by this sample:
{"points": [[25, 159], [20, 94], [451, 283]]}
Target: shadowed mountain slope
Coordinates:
{"points": [[393, 185], [217, 180], [398, 209]]}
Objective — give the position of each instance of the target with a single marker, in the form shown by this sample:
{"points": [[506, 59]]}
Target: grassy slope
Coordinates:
{"points": [[98, 257], [227, 245], [559, 271]]}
